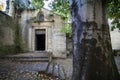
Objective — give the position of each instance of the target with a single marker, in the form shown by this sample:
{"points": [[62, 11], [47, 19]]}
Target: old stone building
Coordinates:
{"points": [[41, 31]]}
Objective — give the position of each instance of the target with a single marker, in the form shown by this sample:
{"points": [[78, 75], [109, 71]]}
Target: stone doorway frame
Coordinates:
{"points": [[31, 39], [40, 39]]}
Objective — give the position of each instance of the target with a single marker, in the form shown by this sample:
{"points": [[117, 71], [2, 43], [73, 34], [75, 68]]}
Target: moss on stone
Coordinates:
{"points": [[7, 50], [12, 48]]}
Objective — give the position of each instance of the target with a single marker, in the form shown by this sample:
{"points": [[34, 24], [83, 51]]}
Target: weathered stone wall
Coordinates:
{"points": [[115, 39], [59, 38], [57, 42], [7, 29], [26, 15]]}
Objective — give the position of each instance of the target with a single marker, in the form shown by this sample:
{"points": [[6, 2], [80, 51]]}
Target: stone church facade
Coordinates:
{"points": [[41, 31]]}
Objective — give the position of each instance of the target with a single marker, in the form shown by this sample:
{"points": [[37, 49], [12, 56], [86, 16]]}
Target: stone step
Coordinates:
{"points": [[32, 54], [30, 57], [27, 59]]}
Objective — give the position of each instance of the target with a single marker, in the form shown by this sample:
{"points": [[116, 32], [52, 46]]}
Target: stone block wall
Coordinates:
{"points": [[115, 39], [6, 34], [59, 38], [25, 17]]}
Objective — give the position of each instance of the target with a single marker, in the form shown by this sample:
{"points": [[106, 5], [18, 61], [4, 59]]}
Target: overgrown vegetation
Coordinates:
{"points": [[67, 29], [38, 4], [62, 7], [113, 12]]}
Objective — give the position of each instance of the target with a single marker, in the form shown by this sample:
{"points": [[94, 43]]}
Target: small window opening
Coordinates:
{"points": [[41, 17]]}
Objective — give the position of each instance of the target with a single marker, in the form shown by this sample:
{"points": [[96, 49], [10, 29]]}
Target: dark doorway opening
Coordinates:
{"points": [[40, 40]]}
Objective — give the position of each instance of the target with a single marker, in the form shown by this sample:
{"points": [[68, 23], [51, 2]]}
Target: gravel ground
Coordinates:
{"points": [[10, 70], [19, 71]]}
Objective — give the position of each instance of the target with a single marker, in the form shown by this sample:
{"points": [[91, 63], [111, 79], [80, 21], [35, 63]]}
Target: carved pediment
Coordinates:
{"points": [[42, 16]]}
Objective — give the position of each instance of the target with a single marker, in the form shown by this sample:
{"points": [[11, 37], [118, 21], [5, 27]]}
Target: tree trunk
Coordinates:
{"points": [[92, 52]]}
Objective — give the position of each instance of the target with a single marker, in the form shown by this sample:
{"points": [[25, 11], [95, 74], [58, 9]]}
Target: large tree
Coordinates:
{"points": [[92, 52]]}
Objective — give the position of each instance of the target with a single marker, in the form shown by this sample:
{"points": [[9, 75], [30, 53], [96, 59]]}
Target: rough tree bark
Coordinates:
{"points": [[92, 51]]}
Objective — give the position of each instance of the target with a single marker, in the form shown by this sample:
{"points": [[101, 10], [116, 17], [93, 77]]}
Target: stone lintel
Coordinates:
{"points": [[41, 24]]}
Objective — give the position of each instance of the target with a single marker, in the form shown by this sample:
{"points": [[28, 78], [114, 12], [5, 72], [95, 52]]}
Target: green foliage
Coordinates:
{"points": [[113, 12], [67, 29], [38, 4], [62, 7]]}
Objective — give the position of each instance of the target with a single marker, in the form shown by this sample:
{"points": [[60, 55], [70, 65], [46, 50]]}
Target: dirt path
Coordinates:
{"points": [[30, 70]]}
